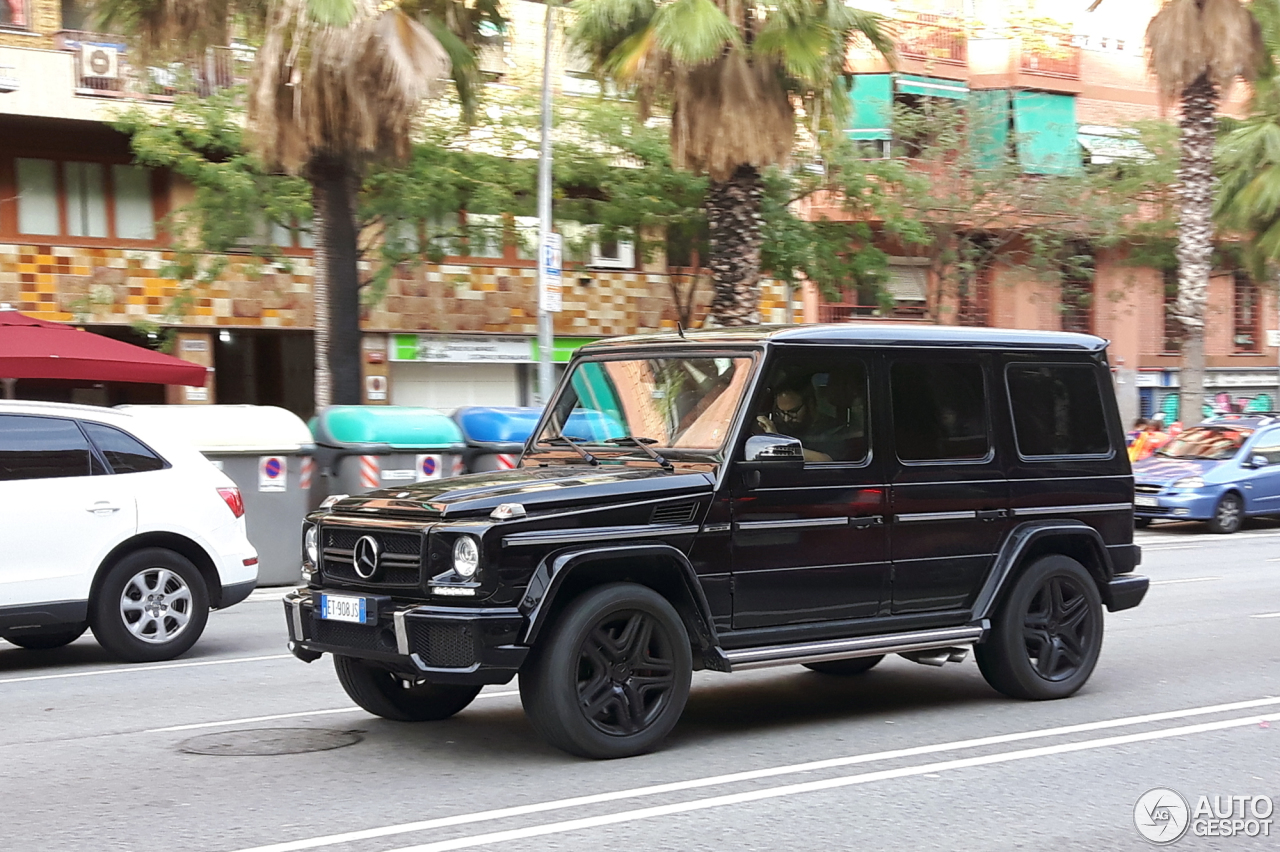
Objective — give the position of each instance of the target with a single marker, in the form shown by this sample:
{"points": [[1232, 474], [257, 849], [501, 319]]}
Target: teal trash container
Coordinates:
{"points": [[495, 436], [267, 452], [361, 448]]}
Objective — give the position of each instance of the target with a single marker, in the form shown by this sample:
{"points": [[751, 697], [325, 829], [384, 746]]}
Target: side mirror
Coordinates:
{"points": [[774, 449], [1259, 461]]}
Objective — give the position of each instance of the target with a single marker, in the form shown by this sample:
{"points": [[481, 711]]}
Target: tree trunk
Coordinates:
{"points": [[733, 215], [1195, 239], [332, 181], [320, 301]]}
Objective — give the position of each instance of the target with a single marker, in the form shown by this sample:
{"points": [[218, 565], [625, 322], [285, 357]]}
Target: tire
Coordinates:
{"points": [[611, 678], [1142, 523], [397, 697], [1054, 605], [855, 666], [125, 625], [47, 640], [1228, 515]]}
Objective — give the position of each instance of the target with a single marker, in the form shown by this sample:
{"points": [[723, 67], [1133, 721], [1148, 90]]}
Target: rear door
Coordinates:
{"points": [[949, 495], [809, 543], [60, 515]]}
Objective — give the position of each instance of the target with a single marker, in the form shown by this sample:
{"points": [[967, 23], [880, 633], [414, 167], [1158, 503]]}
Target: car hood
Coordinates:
{"points": [[537, 489], [1157, 470]]}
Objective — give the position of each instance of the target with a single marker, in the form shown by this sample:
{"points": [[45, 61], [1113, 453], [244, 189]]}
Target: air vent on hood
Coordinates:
{"points": [[680, 513]]}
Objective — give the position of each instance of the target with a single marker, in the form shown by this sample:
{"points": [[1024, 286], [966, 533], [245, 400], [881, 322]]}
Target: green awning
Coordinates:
{"points": [[989, 127], [872, 97], [935, 87], [1046, 126]]}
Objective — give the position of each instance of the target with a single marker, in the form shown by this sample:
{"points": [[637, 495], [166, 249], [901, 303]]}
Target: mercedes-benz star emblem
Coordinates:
{"points": [[367, 555]]}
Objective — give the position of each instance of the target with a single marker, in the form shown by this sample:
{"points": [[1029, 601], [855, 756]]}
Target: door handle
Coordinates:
{"points": [[991, 514], [102, 507], [866, 521]]}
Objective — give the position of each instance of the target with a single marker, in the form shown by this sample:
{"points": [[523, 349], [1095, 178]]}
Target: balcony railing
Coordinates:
{"points": [[837, 312], [926, 38], [1049, 55], [102, 67]]}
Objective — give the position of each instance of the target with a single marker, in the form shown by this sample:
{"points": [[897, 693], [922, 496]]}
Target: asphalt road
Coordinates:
{"points": [[1186, 696]]}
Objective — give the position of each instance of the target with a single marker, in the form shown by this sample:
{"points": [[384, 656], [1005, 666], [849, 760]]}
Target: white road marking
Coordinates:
{"points": [[1186, 580], [1161, 548], [251, 719], [827, 784], [752, 775], [152, 668], [1266, 615]]}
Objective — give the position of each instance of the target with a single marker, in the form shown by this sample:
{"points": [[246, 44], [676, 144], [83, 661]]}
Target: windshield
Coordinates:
{"points": [[674, 403], [1206, 442]]}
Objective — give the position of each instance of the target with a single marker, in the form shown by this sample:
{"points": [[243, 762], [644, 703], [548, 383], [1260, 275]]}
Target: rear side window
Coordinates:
{"points": [[123, 452], [42, 448], [939, 411], [1057, 410]]}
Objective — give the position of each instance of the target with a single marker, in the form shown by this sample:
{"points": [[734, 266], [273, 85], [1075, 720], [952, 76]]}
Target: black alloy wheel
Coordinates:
{"points": [[1047, 635], [854, 666], [612, 678], [398, 697], [1228, 515]]}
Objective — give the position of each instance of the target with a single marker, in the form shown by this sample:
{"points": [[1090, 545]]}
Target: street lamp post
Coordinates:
{"points": [[548, 265]]}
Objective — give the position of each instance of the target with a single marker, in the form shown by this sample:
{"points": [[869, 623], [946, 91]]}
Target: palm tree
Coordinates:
{"points": [[730, 73], [335, 85], [1248, 202], [1197, 48]]}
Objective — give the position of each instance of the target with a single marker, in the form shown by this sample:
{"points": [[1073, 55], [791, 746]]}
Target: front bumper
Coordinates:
{"points": [[1195, 505], [443, 644]]}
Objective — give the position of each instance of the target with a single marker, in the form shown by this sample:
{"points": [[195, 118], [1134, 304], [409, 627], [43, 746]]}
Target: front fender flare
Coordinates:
{"points": [[552, 573]]}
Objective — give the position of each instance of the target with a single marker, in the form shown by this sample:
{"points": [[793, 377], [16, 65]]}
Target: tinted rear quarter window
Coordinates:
{"points": [[125, 453], [939, 411], [42, 448], [1057, 410]]}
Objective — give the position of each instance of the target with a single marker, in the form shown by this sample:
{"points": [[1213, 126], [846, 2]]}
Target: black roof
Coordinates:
{"points": [[867, 334]]}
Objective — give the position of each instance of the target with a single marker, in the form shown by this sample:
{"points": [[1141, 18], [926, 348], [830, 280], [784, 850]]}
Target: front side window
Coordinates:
{"points": [[1057, 410], [125, 453], [673, 402], [821, 401], [42, 448], [939, 411], [1206, 442], [1268, 447]]}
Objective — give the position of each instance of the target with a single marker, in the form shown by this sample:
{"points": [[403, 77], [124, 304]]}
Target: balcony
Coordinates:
{"points": [[101, 68], [927, 39], [1048, 55]]}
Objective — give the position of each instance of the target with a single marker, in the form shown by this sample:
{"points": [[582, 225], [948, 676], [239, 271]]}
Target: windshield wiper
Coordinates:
{"points": [[573, 442], [643, 443]]}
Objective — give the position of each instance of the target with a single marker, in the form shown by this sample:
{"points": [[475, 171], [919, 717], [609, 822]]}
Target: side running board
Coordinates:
{"points": [[843, 649]]}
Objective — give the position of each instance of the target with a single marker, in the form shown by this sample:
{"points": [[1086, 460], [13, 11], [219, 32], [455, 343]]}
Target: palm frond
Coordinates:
{"points": [[694, 32], [464, 68], [601, 26], [1217, 38]]}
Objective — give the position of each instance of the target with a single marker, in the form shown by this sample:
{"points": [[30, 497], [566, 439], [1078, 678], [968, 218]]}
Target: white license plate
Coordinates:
{"points": [[344, 608], [1145, 501]]}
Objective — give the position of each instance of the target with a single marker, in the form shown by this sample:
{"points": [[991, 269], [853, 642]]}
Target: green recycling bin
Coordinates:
{"points": [[361, 448], [267, 453]]}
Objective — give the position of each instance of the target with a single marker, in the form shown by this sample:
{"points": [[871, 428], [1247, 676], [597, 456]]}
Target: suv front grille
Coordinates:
{"points": [[400, 564]]}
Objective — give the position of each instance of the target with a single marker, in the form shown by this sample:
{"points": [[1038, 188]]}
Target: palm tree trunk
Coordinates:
{"points": [[332, 180], [733, 216], [320, 301], [1195, 238]]}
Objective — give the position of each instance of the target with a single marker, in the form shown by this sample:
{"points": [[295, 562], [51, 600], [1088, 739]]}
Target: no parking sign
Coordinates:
{"points": [[430, 467], [272, 473]]}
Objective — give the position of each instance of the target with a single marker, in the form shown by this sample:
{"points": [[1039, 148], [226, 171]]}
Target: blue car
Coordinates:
{"points": [[1221, 471]]}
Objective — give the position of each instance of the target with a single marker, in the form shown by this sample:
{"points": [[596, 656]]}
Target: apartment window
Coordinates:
{"points": [[1172, 327], [89, 195], [15, 14], [974, 291], [1246, 329], [1077, 291]]}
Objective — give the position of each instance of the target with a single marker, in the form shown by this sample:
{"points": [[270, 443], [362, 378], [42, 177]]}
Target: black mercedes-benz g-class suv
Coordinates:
{"points": [[733, 499]]}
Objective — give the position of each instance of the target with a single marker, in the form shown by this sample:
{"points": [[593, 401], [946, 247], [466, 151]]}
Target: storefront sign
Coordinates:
{"points": [[1212, 379], [460, 349], [550, 281]]}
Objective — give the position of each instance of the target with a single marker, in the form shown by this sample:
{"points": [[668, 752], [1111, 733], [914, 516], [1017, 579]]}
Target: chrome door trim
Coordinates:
{"points": [[529, 539], [911, 517], [1066, 510], [790, 523]]}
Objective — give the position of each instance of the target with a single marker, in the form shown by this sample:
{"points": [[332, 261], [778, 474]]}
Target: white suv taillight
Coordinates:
{"points": [[234, 501]]}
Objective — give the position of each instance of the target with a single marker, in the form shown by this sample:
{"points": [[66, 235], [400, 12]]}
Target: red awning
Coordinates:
{"points": [[31, 348]]}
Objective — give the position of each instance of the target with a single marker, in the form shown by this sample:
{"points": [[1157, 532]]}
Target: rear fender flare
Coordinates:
{"points": [[1022, 541], [668, 571]]}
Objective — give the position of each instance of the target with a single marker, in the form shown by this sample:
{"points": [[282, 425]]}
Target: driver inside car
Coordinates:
{"points": [[794, 416]]}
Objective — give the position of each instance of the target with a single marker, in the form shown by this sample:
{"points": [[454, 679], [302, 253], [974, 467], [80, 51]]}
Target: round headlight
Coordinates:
{"points": [[466, 557], [311, 544]]}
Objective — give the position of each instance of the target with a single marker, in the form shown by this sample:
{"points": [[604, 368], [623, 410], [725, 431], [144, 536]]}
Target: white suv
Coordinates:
{"points": [[110, 526]]}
